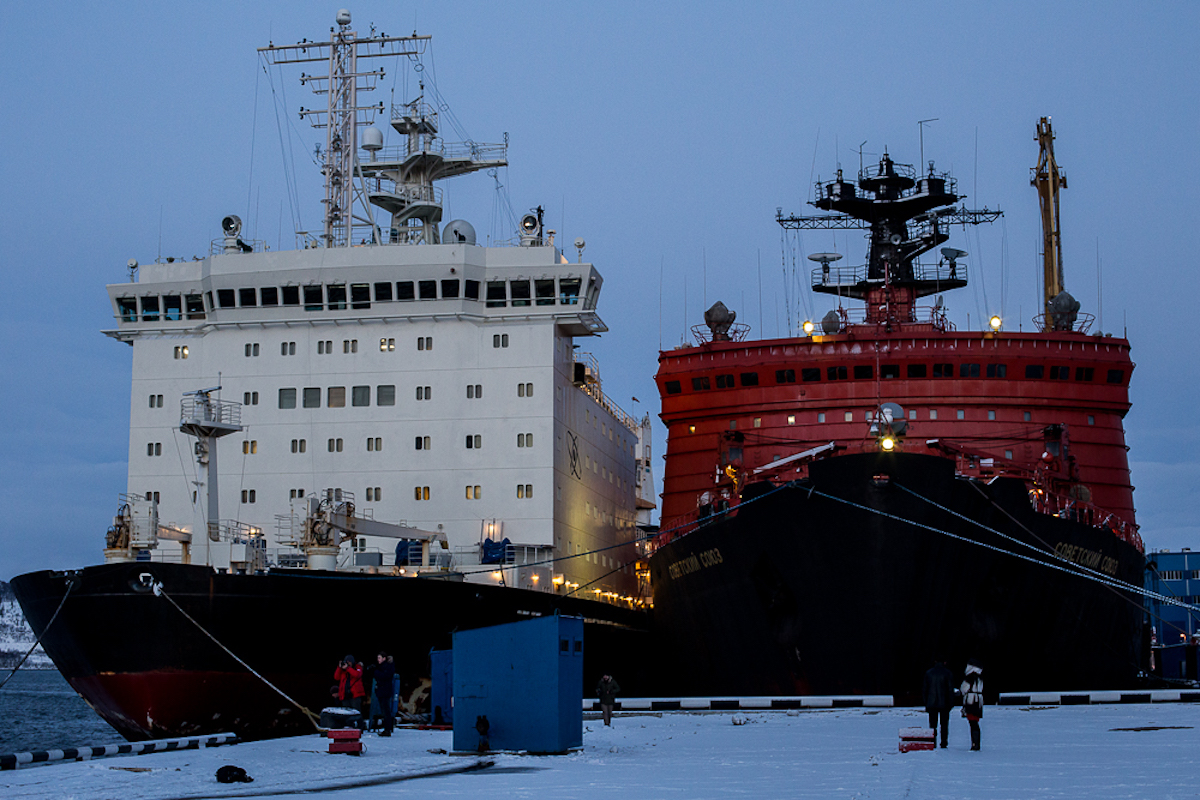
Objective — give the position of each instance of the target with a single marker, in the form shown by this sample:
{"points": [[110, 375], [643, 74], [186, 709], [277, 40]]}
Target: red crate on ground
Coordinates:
{"points": [[916, 739], [345, 740]]}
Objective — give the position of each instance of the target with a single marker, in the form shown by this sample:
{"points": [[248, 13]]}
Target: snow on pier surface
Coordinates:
{"points": [[1098, 751]]}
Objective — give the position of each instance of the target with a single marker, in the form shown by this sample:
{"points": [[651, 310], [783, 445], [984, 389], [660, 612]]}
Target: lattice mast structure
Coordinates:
{"points": [[1048, 179], [343, 113]]}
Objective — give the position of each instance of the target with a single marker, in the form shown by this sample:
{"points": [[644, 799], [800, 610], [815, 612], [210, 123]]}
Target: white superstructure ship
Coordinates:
{"points": [[368, 443], [433, 381]]}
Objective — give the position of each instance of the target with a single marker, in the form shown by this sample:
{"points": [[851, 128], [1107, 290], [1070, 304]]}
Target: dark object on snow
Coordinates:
{"points": [[232, 774], [482, 726]]}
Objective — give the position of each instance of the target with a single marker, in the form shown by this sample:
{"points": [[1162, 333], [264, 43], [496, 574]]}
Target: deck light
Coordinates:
{"points": [[888, 444], [808, 327], [995, 322]]}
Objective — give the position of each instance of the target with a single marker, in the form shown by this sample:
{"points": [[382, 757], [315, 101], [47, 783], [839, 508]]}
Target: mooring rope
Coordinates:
{"points": [[29, 652], [158, 590]]}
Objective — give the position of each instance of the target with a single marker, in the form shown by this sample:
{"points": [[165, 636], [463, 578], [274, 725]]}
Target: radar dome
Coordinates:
{"points": [[458, 231], [343, 16], [372, 139]]}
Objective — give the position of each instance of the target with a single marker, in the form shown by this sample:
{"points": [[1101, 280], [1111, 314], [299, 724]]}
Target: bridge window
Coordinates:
{"points": [[1060, 373], [785, 376], [810, 374], [291, 295], [270, 296], [1034, 371], [568, 291], [336, 293], [404, 290], [383, 292], [968, 370], [673, 387], [150, 308], [837, 373], [1116, 376], [496, 298], [864, 372], [749, 378], [471, 289], [544, 288], [1085, 373], [520, 293], [225, 298], [700, 384], [360, 295], [248, 297], [887, 371], [997, 370], [943, 370], [314, 299], [725, 382], [916, 371]]}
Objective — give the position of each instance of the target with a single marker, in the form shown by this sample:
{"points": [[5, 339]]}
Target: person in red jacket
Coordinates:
{"points": [[349, 675]]}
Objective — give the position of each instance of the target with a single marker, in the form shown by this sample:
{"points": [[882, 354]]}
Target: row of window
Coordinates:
{"points": [[385, 395], [868, 415], [374, 444], [518, 293], [1179, 574], [891, 371], [375, 493]]}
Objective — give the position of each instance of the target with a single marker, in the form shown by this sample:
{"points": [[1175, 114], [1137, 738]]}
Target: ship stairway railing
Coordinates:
{"points": [[592, 386]]}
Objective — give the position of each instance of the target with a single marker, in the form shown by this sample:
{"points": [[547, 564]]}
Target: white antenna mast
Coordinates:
{"points": [[342, 115]]}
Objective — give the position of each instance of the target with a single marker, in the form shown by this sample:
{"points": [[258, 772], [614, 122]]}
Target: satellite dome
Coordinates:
{"points": [[458, 231], [343, 16], [372, 139]]}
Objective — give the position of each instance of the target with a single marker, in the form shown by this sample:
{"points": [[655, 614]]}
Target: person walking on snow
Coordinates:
{"points": [[972, 692], [350, 686], [937, 692], [607, 690]]}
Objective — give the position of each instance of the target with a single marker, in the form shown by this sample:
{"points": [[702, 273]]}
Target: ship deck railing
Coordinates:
{"points": [[1082, 323], [853, 275]]}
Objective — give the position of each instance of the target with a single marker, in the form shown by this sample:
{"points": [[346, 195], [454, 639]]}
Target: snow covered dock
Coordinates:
{"points": [[1073, 751]]}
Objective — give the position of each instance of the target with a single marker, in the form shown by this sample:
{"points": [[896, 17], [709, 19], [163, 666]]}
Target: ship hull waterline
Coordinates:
{"points": [[150, 672], [796, 593]]}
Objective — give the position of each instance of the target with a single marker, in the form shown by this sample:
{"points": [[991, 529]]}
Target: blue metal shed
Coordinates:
{"points": [[526, 678]]}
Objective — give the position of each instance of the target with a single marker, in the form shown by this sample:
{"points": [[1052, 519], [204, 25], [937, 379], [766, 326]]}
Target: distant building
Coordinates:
{"points": [[1174, 574]]}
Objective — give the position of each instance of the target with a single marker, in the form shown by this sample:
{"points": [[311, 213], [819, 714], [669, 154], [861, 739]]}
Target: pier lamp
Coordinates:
{"points": [[808, 327], [995, 322]]}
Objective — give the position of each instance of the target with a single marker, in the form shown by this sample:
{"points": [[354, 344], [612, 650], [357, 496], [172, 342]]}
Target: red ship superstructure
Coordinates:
{"points": [[942, 469], [1046, 405]]}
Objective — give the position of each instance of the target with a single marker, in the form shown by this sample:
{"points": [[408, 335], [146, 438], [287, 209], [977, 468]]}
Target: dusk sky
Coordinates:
{"points": [[665, 134]]}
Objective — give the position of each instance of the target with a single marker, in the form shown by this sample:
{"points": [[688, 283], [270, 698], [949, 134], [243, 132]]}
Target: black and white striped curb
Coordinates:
{"points": [[17, 760], [743, 703], [1093, 698]]}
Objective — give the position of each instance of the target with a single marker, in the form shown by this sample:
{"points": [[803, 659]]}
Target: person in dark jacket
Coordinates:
{"points": [[607, 690], [385, 671], [938, 694], [972, 692]]}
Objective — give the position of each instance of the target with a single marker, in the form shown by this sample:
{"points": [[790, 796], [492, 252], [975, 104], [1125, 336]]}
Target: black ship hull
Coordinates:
{"points": [[151, 672], [797, 593]]}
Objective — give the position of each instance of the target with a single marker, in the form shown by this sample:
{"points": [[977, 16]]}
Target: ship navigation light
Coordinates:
{"points": [[808, 327], [996, 322]]}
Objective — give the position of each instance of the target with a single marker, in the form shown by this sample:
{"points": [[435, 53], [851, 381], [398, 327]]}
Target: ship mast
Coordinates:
{"points": [[343, 113], [907, 214], [1048, 179]]}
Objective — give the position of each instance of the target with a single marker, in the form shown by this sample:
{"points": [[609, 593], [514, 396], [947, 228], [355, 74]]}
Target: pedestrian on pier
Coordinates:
{"points": [[938, 693], [972, 692]]}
